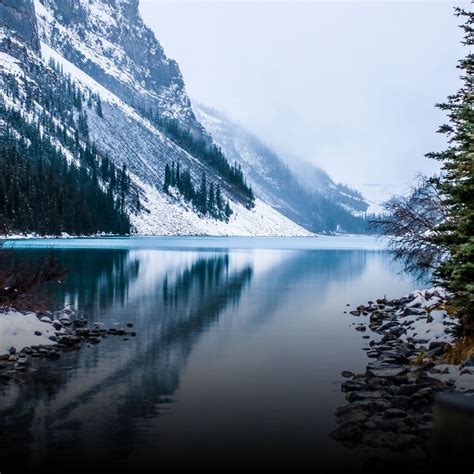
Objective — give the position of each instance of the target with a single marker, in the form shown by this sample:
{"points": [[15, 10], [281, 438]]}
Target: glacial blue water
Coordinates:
{"points": [[239, 347]]}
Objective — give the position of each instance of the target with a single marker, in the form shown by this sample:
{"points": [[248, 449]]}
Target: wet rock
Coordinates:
{"points": [[361, 328], [443, 346], [409, 389], [347, 374], [420, 404], [387, 371], [38, 333], [362, 395], [352, 385], [376, 316], [129, 325], [398, 331], [351, 418], [57, 325], [401, 402], [348, 433], [395, 413], [412, 311], [354, 313], [469, 362]]}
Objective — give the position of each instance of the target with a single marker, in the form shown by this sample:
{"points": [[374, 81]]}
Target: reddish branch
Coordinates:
{"points": [[21, 277]]}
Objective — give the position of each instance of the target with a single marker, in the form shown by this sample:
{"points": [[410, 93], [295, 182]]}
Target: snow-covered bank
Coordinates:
{"points": [[19, 330], [26, 335]]}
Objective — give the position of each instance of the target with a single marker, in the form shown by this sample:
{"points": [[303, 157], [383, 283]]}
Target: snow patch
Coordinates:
{"points": [[18, 330]]}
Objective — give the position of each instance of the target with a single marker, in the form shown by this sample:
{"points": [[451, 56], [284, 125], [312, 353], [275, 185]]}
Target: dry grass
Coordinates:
{"points": [[460, 351]]}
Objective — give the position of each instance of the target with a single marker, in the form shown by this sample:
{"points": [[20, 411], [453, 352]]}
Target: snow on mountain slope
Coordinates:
{"points": [[130, 139], [108, 40], [171, 218], [315, 202]]}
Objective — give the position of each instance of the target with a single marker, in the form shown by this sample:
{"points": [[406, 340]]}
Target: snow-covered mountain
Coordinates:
{"points": [[124, 102], [109, 42], [133, 101], [305, 193]]}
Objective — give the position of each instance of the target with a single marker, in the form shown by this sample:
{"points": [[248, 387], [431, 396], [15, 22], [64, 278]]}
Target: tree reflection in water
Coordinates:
{"points": [[66, 407]]}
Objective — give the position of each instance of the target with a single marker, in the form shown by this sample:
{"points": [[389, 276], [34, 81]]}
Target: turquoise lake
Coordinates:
{"points": [[239, 347]]}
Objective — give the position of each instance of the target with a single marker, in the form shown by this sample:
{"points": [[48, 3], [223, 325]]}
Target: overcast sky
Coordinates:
{"points": [[349, 86]]}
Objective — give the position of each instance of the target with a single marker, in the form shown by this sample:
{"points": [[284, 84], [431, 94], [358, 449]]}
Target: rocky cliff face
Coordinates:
{"points": [[19, 17], [108, 40]]}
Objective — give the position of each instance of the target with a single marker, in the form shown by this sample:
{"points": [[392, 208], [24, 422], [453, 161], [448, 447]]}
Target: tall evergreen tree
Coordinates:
{"points": [[178, 175], [211, 202], [202, 202], [98, 107], [219, 203], [167, 182], [227, 211], [456, 185], [173, 175]]}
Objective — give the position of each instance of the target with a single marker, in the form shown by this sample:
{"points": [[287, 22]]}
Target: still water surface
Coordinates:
{"points": [[237, 359]]}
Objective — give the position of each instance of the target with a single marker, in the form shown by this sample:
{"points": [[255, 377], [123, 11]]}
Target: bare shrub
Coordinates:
{"points": [[21, 278], [411, 226]]}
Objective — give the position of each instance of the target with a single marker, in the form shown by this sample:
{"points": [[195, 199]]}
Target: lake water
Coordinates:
{"points": [[237, 359]]}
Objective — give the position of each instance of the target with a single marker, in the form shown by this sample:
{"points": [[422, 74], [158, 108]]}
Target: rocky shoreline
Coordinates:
{"points": [[56, 333], [389, 416]]}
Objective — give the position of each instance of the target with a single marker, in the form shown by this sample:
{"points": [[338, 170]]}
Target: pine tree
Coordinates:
{"points": [[82, 125], [227, 210], [167, 183], [219, 198], [98, 107], [178, 175], [173, 175], [456, 185], [202, 202], [211, 202]]}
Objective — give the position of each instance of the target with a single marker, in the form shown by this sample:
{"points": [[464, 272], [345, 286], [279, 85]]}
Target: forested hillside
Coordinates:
{"points": [[52, 177]]}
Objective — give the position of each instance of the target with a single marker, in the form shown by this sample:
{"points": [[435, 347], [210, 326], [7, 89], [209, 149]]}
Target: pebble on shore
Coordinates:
{"points": [[29, 335], [389, 415]]}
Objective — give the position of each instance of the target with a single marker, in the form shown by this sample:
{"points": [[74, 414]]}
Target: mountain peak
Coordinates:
{"points": [[108, 40]]}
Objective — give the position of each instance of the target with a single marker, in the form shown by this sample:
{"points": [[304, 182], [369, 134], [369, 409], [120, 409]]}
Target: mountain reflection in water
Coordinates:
{"points": [[252, 331]]}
